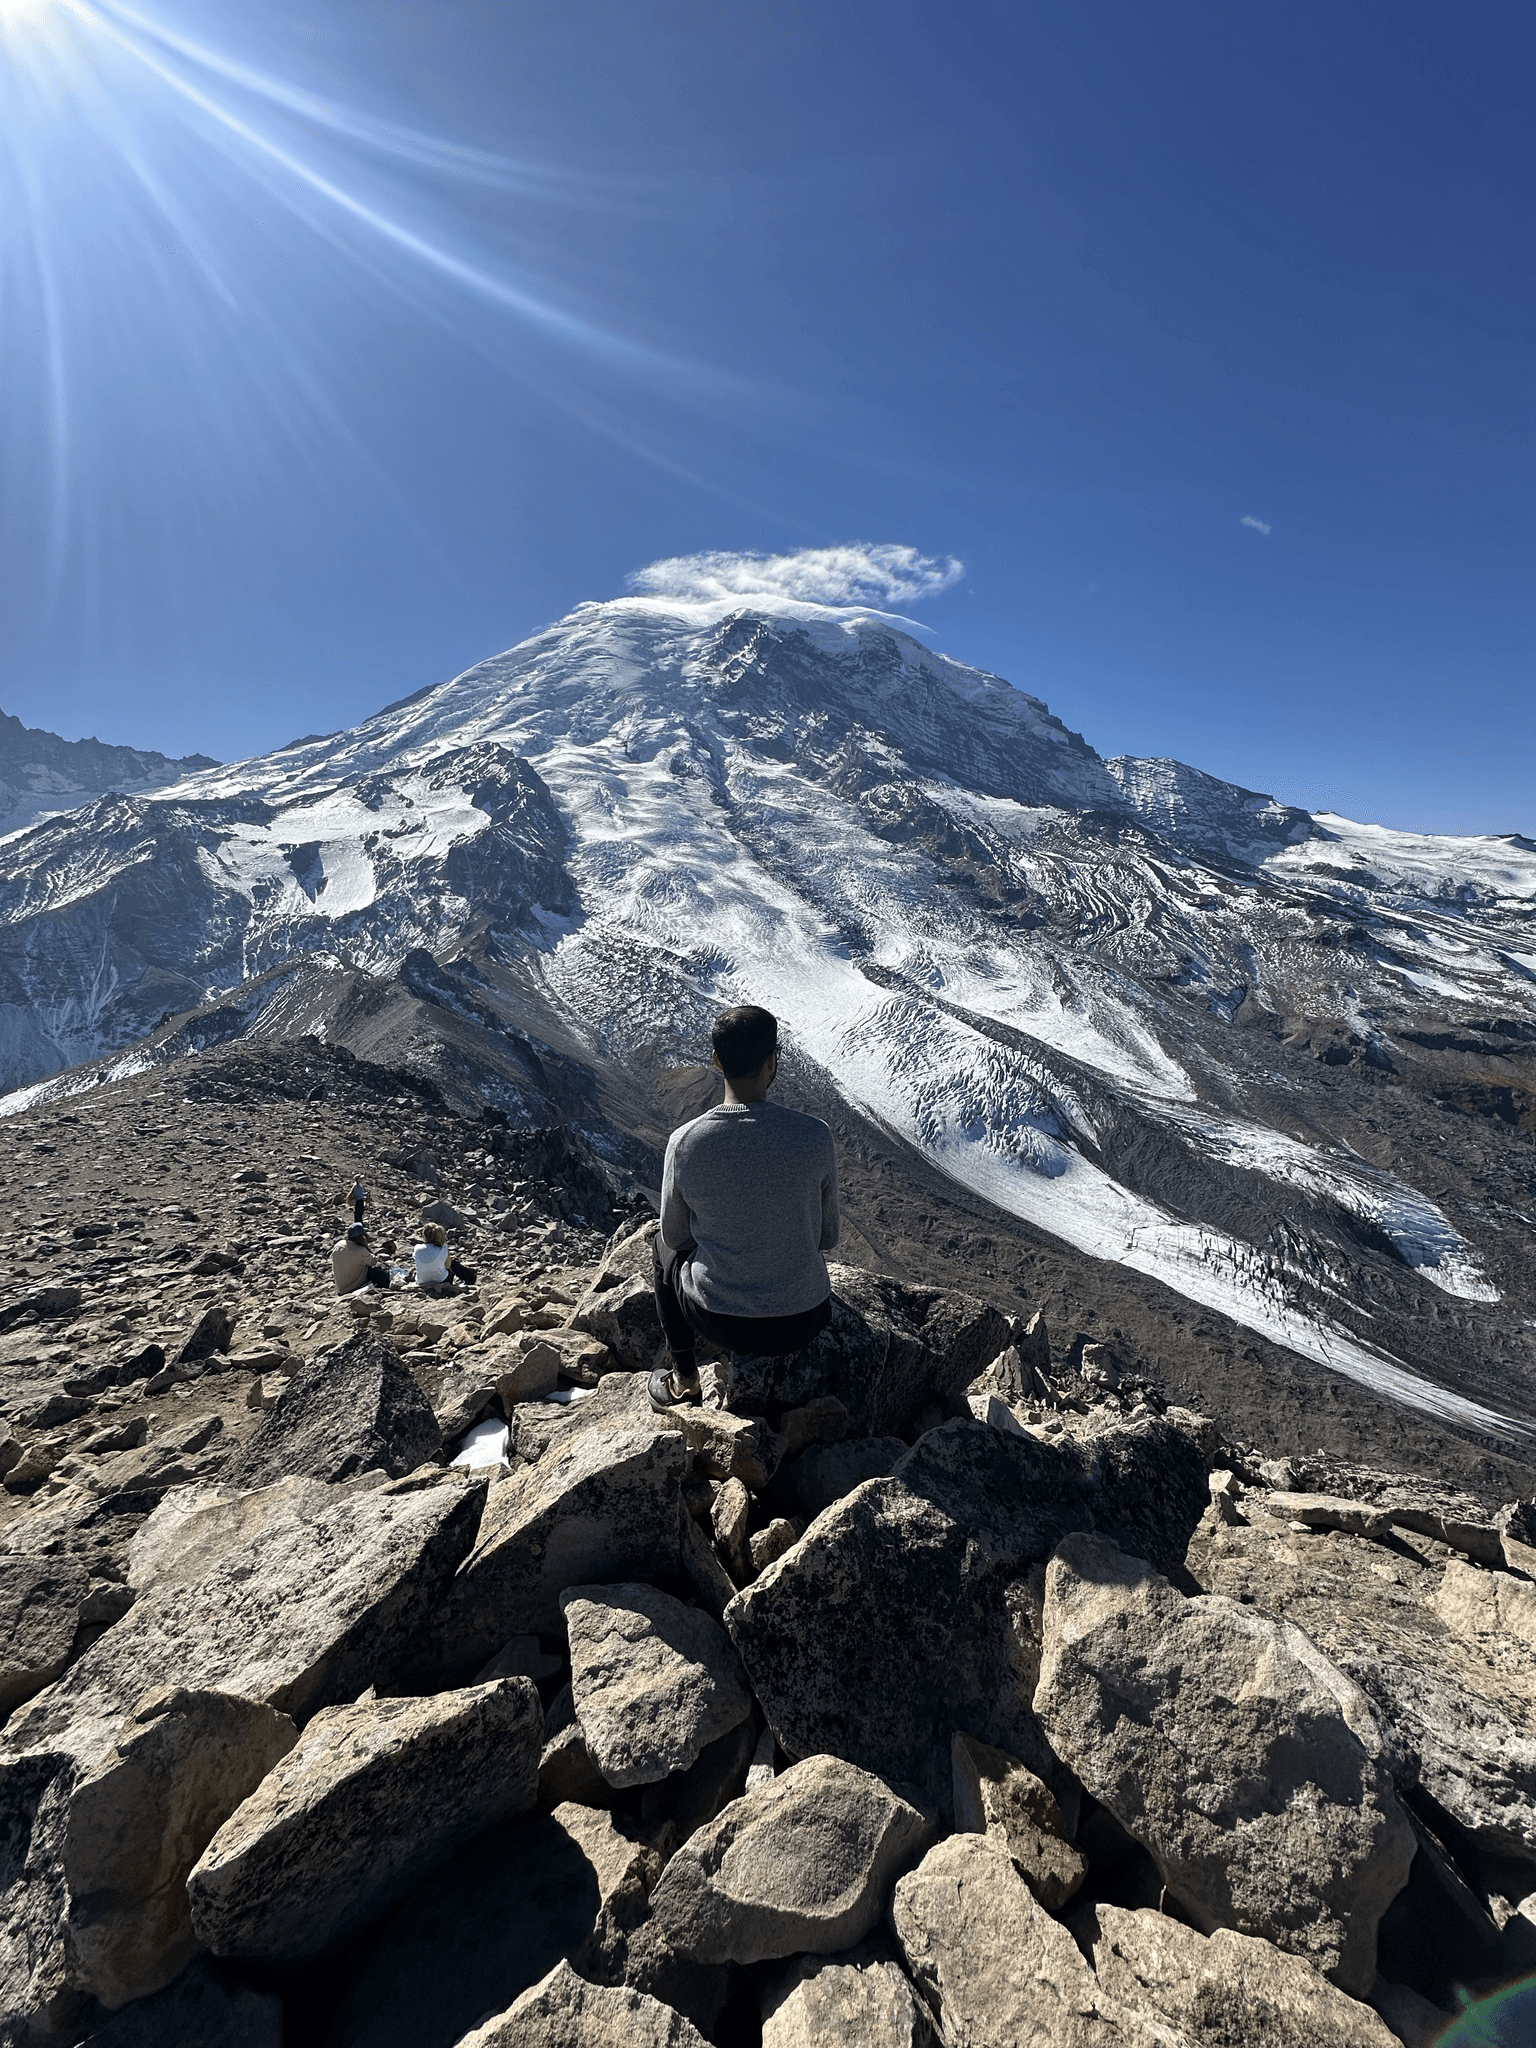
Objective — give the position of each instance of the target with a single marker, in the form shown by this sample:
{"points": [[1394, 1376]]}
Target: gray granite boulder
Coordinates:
{"points": [[864, 2004], [138, 1823], [996, 1795], [803, 1865], [1229, 1746], [40, 1601], [603, 1506], [653, 1682], [370, 1799], [564, 2011], [358, 1409]]}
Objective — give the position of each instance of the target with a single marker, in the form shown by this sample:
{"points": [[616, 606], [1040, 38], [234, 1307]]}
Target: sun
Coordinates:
{"points": [[18, 15]]}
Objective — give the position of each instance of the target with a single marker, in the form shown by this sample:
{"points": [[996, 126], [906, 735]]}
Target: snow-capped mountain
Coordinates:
{"points": [[42, 775], [1166, 1020]]}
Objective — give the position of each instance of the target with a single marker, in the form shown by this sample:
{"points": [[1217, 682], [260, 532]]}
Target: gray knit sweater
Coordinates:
{"points": [[751, 1190]]}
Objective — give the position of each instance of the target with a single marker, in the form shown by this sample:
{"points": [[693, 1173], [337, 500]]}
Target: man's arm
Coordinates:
{"points": [[831, 1222], [676, 1217]]}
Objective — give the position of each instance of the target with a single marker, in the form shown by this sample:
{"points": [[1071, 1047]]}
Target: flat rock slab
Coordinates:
{"points": [[136, 1826], [909, 1609], [308, 1606], [1230, 1747], [372, 1797], [564, 2011], [868, 2005], [604, 1507], [1000, 1971], [356, 1410], [40, 1601], [804, 1865], [1461, 1707], [1226, 1987], [654, 1682]]}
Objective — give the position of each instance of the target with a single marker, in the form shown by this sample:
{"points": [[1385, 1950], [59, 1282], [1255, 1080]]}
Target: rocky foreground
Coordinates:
{"points": [[384, 1670]]}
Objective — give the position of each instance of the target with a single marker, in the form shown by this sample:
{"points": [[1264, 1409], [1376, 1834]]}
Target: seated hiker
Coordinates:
{"points": [[435, 1265], [748, 1206], [352, 1262]]}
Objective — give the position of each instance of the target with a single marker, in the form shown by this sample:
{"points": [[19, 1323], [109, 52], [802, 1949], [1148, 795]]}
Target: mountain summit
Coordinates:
{"points": [[1280, 1064]]}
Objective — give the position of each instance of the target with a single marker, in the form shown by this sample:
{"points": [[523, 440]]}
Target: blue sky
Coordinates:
{"points": [[342, 346]]}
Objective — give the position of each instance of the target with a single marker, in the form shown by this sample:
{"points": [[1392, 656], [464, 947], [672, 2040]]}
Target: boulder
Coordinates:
{"points": [[300, 1609], [864, 2005], [354, 1410], [1327, 1511], [188, 1449], [696, 1795], [459, 1392], [889, 1350], [1231, 1748], [1461, 1707], [623, 1316], [194, 1524], [1225, 1986], [139, 1822], [803, 1865], [526, 1372], [40, 1600], [654, 1682], [728, 1519], [485, 1926], [997, 1968], [821, 1421], [564, 2011], [710, 1580], [202, 2009], [212, 1332], [767, 1546], [726, 1446], [996, 1795], [1477, 1604], [38, 2004], [371, 1799], [603, 1507], [920, 1594], [567, 1774]]}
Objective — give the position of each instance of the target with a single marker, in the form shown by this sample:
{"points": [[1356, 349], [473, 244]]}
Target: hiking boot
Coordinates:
{"points": [[667, 1390]]}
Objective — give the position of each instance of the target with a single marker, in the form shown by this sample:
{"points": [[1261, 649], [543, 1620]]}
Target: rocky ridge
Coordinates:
{"points": [[950, 1684]]}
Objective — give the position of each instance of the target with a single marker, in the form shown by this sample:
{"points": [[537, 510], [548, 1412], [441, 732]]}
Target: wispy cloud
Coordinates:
{"points": [[1258, 525], [854, 574]]}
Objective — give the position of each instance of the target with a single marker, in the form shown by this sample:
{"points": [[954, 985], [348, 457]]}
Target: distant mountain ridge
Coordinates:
{"points": [[41, 774], [1283, 1065]]}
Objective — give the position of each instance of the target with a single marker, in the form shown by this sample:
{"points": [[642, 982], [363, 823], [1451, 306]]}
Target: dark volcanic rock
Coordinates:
{"points": [[910, 1610], [359, 1410]]}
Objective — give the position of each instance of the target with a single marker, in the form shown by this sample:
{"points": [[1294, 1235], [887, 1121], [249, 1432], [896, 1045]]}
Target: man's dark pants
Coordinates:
{"points": [[751, 1336]]}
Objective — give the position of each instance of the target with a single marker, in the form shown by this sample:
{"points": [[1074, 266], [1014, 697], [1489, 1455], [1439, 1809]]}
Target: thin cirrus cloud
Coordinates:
{"points": [[856, 574], [1258, 525]]}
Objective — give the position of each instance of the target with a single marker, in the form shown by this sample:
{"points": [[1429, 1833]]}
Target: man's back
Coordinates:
{"points": [[753, 1187]]}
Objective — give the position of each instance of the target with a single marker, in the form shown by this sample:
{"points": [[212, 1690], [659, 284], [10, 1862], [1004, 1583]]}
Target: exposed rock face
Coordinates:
{"points": [[654, 1682], [309, 1608], [1230, 1747], [38, 2004], [359, 1410], [995, 1795], [1484, 1604], [40, 1599], [137, 1825], [1225, 1987], [867, 2005], [603, 1508], [370, 1799], [909, 1609], [994, 1963], [566, 2012], [1461, 1707], [623, 1316], [805, 1864], [194, 1525]]}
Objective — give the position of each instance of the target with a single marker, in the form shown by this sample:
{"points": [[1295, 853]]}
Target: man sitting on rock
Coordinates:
{"points": [[352, 1262], [748, 1207]]}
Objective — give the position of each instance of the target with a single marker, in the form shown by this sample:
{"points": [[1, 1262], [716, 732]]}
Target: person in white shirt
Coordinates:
{"points": [[435, 1265]]}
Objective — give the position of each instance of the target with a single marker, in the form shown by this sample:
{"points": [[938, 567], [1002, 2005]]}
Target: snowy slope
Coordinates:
{"points": [[1063, 979]]}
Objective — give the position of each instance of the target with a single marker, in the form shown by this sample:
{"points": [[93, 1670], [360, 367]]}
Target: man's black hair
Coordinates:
{"points": [[743, 1039]]}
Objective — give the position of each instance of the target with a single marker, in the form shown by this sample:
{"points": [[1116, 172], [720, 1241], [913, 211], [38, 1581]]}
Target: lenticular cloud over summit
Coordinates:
{"points": [[854, 574]]}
